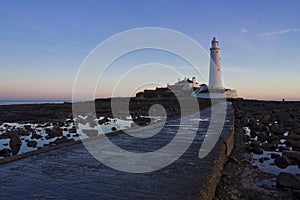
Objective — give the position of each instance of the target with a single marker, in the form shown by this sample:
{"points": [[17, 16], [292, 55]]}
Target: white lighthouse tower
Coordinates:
{"points": [[215, 73], [215, 88]]}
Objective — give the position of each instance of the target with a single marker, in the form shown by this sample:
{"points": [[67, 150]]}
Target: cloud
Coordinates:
{"points": [[281, 32], [244, 30]]}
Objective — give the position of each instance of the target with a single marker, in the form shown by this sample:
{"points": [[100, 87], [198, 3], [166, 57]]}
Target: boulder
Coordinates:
{"points": [[262, 136], [265, 129], [266, 118], [56, 131], [277, 129], [282, 162], [105, 120], [63, 139], [269, 146], [297, 131], [15, 142], [261, 160], [295, 115], [256, 127], [255, 143], [296, 194], [4, 153], [28, 127], [289, 123], [273, 138], [257, 150], [293, 136], [34, 135], [294, 156], [72, 130], [294, 144], [283, 148], [32, 143], [275, 155], [289, 180]]}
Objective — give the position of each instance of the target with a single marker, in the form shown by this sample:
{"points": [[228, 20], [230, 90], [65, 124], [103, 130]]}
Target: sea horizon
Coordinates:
{"points": [[19, 102]]}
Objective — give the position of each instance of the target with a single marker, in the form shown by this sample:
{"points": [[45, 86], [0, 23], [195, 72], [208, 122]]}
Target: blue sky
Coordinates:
{"points": [[43, 43]]}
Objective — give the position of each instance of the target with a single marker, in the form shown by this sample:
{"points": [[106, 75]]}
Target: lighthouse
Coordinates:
{"points": [[215, 73]]}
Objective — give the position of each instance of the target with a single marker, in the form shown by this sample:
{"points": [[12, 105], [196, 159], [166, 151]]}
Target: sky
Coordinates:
{"points": [[44, 43]]}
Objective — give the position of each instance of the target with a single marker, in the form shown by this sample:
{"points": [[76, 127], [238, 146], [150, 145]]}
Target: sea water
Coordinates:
{"points": [[18, 102]]}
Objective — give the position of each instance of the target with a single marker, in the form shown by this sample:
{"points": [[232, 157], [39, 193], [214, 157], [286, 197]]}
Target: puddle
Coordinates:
{"points": [[268, 183], [265, 162], [269, 165], [113, 124]]}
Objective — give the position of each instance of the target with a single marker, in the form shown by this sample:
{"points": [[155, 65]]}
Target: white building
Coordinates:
{"points": [[215, 88], [215, 72]]}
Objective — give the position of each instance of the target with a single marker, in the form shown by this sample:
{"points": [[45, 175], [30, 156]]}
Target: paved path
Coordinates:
{"points": [[72, 173]]}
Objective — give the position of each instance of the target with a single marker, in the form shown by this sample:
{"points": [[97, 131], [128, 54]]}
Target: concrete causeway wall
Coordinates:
{"points": [[72, 172]]}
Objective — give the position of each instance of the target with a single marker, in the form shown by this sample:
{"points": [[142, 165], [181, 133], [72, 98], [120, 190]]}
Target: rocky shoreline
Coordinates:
{"points": [[263, 165], [26, 128], [265, 162]]}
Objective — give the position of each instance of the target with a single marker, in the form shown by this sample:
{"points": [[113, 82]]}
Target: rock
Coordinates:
{"points": [[28, 127], [296, 147], [56, 131], [265, 129], [234, 159], [5, 153], [293, 136], [257, 150], [256, 127], [297, 131], [277, 130], [296, 194], [34, 135], [255, 143], [262, 159], [105, 120], [22, 132], [294, 156], [239, 114], [262, 137], [296, 115], [289, 123], [32, 143], [273, 139], [282, 148], [72, 130], [266, 118], [282, 162], [289, 180], [90, 132], [275, 155], [15, 142], [266, 158], [268, 146], [265, 186], [63, 139]]}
